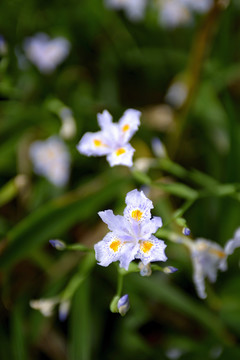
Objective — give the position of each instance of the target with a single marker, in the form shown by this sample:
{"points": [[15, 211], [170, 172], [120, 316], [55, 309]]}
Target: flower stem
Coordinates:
{"points": [[201, 43]]}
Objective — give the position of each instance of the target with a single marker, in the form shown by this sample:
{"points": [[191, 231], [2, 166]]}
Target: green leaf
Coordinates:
{"points": [[178, 189], [175, 298], [80, 324], [141, 177], [18, 334], [56, 217]]}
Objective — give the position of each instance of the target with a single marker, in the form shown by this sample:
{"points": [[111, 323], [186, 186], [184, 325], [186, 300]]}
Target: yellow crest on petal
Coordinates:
{"points": [[137, 214], [146, 246], [125, 128], [115, 244], [219, 253], [120, 151], [97, 142]]}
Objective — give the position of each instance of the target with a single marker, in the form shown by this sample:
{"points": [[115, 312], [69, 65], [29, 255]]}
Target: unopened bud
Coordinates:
{"points": [[158, 148], [186, 231], [63, 310], [58, 244], [169, 269], [145, 270], [123, 305]]}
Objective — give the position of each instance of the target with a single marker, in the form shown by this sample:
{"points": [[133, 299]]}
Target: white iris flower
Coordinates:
{"points": [[113, 138], [130, 236], [208, 257]]}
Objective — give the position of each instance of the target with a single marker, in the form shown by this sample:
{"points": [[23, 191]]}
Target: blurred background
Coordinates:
{"points": [[177, 64]]}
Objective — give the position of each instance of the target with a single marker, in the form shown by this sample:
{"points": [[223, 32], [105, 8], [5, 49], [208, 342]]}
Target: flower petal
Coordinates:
{"points": [[116, 223], [108, 250], [198, 278], [151, 250], [122, 155], [232, 244], [138, 207], [128, 254], [129, 123], [93, 144], [104, 119], [149, 227]]}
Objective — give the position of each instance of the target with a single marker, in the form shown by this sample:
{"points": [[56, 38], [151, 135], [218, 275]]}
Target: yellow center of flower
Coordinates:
{"points": [[146, 246], [50, 154], [219, 253], [115, 244], [120, 151], [125, 128], [210, 250], [97, 142], [137, 215]]}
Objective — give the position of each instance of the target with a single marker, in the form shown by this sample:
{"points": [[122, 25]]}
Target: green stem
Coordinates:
{"points": [[196, 61], [120, 283]]}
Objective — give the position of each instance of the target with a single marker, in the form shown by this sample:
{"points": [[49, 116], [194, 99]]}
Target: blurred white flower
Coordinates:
{"points": [[208, 257], [200, 6], [177, 94], [173, 14], [51, 159], [158, 148], [45, 306], [68, 129], [134, 9], [46, 53], [174, 353]]}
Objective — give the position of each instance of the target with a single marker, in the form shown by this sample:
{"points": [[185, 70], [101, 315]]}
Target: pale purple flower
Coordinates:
{"points": [[51, 160], [113, 138], [134, 9], [208, 257], [130, 236], [46, 53]]}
